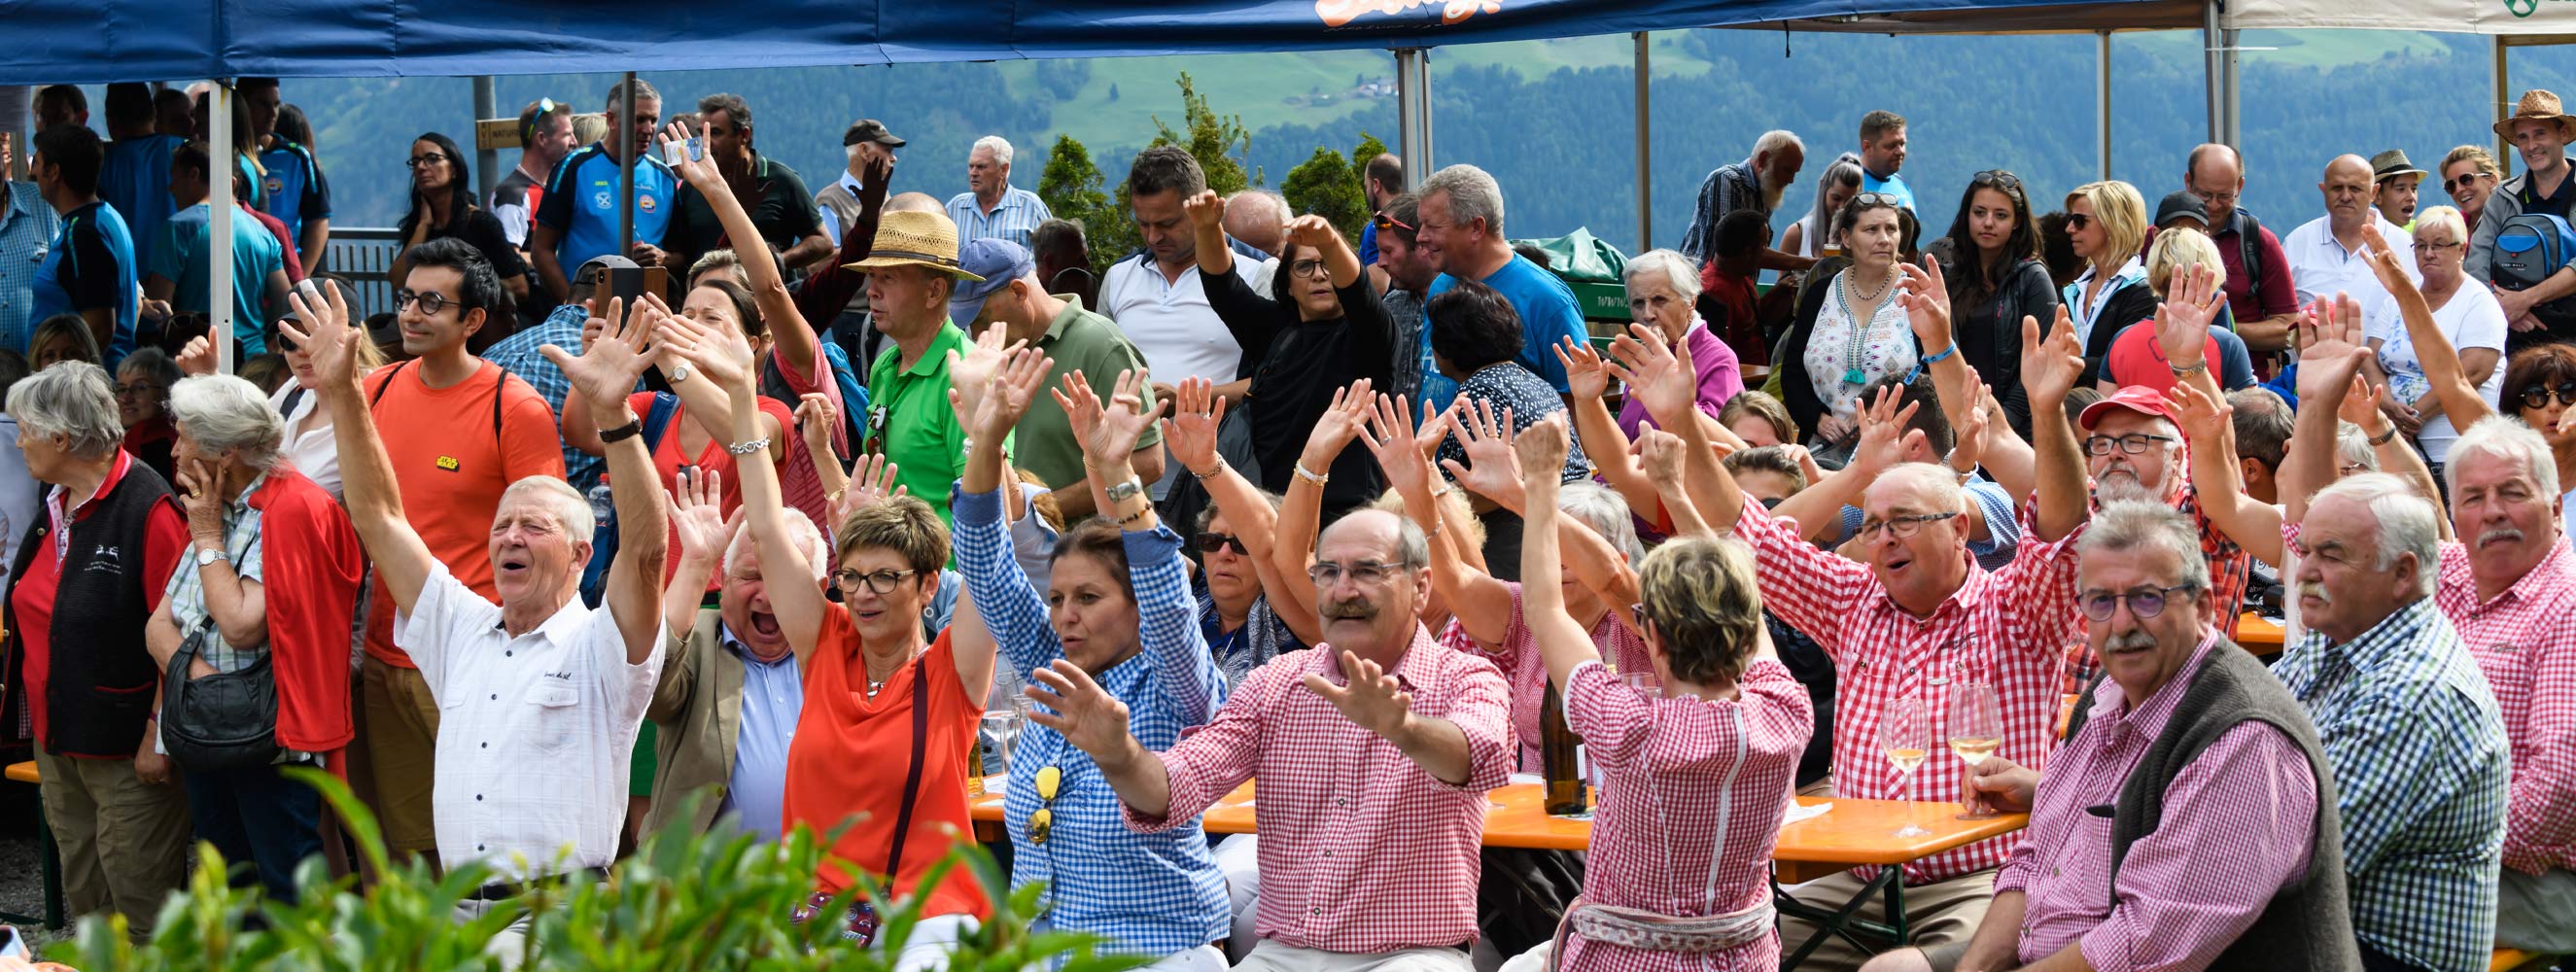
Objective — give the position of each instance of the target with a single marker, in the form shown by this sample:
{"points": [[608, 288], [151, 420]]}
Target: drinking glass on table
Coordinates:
{"points": [[1000, 735], [1976, 727], [1905, 734]]}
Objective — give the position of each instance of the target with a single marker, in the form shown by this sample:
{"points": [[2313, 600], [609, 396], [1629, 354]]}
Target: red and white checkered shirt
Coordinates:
{"points": [[2003, 628], [1526, 668], [2173, 904], [1362, 850], [2231, 569], [1691, 800], [2525, 642]]}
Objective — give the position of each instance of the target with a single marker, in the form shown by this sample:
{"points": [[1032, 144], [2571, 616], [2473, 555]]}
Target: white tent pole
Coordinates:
{"points": [[1404, 137], [1645, 167], [625, 122], [1422, 105], [2212, 40], [2503, 107], [2102, 95], [2234, 135], [219, 225]]}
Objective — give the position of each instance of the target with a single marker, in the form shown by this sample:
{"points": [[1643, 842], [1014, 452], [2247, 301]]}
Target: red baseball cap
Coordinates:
{"points": [[2136, 398]]}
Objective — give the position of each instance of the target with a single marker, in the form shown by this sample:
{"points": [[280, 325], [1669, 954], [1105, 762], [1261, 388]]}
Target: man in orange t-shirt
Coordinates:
{"points": [[459, 431]]}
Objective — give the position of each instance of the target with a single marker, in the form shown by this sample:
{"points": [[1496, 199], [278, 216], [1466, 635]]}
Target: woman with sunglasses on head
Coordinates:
{"points": [[1851, 330], [1118, 606], [2107, 221], [2469, 318], [1991, 261], [1812, 233], [442, 206]]}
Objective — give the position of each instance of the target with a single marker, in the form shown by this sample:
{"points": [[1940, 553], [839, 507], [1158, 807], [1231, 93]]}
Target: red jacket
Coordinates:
{"points": [[310, 565]]}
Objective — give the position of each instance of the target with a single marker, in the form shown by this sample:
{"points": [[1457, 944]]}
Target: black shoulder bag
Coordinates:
{"points": [[224, 721]]}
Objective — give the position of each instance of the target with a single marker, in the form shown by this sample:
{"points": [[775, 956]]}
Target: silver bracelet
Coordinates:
{"points": [[751, 448], [1310, 475]]}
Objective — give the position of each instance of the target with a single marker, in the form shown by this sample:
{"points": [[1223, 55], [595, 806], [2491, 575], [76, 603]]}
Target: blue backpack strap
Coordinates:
{"points": [[658, 418]]}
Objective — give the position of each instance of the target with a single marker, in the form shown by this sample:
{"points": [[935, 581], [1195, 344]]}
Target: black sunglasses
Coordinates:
{"points": [[1997, 178], [1212, 542], [2537, 396], [2077, 221], [2463, 179]]}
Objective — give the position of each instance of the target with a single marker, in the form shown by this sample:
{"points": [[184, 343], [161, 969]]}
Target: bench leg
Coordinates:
{"points": [[52, 867]]}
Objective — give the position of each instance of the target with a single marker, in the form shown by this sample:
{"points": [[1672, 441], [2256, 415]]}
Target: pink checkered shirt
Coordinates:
{"points": [[2525, 643], [1691, 801], [1363, 851], [2003, 628], [1526, 668], [2174, 904]]}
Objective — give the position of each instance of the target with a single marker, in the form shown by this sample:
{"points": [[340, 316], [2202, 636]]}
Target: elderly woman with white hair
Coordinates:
{"points": [[86, 576], [2468, 316], [252, 634], [1663, 293]]}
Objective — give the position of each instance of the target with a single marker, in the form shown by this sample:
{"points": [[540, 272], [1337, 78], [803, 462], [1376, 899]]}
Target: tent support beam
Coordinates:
{"points": [[626, 164], [1413, 111], [219, 225], [2234, 135], [2503, 109], [485, 160], [2212, 43], [1645, 165], [2102, 95]]}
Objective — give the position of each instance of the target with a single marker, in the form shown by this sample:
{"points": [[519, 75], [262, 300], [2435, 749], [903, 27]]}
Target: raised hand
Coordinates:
{"points": [[969, 370], [321, 328], [1372, 701], [2182, 320], [700, 173], [1206, 210], [1191, 431], [2367, 402], [1884, 438], [1541, 450], [2332, 351], [1926, 299], [2050, 368], [198, 357], [1008, 392], [719, 352], [605, 373], [2383, 260], [1970, 447], [1490, 470], [1312, 230], [1661, 454], [815, 418], [2203, 418], [871, 482], [697, 514], [1390, 439], [1123, 422], [1076, 707], [1584, 375], [1340, 423], [1659, 376]]}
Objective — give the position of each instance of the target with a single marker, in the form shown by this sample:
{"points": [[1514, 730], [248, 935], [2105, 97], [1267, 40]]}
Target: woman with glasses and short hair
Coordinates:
{"points": [[1991, 260], [2469, 317], [2470, 175], [143, 383], [442, 206], [2107, 221], [1850, 330]]}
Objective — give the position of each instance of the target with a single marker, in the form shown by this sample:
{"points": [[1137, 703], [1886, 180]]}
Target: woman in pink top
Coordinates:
{"points": [[1694, 782]]}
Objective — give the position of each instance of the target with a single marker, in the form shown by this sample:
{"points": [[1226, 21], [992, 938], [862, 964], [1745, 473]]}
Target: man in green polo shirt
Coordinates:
{"points": [[912, 272], [1011, 297]]}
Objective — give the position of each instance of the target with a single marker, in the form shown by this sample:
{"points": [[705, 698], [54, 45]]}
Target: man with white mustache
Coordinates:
{"points": [[1756, 184]]}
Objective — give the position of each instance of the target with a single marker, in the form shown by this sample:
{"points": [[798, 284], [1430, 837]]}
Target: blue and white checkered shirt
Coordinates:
{"points": [[28, 226], [518, 353], [2421, 770], [1148, 894], [1728, 188], [1016, 219], [186, 593]]}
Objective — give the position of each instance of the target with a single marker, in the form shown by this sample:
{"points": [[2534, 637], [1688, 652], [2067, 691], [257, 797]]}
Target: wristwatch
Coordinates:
{"points": [[207, 558], [1120, 492], [678, 373]]}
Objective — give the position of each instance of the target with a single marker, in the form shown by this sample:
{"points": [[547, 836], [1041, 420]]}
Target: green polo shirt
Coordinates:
{"points": [[1078, 340], [910, 421]]}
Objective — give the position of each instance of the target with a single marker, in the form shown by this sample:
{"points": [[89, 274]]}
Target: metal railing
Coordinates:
{"points": [[364, 255]]}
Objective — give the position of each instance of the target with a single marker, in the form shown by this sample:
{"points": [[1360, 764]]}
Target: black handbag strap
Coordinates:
{"points": [[911, 777]]}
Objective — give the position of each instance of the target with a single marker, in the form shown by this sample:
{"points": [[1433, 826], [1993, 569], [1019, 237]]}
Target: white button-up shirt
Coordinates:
{"points": [[534, 732], [1171, 320], [2321, 267]]}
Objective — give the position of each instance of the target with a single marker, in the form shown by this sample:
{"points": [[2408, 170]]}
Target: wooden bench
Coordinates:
{"points": [[2514, 959], [50, 860]]}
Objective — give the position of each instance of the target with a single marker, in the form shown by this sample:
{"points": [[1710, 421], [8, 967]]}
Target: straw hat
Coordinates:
{"points": [[2536, 105], [913, 239]]}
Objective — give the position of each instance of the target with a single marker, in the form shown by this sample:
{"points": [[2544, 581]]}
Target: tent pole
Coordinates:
{"points": [[2102, 95], [626, 165], [2212, 39], [1645, 168], [2234, 135], [485, 160], [1422, 104], [2503, 107], [219, 225], [1404, 141]]}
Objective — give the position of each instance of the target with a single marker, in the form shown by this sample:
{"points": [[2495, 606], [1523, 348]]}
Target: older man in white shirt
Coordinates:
{"points": [[541, 696], [2326, 256]]}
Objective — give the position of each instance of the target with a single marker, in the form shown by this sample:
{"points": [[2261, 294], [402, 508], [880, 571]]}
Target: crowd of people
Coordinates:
{"points": [[1261, 502]]}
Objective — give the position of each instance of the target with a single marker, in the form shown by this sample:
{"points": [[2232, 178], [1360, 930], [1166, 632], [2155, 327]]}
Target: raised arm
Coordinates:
{"points": [[1662, 453], [2206, 426], [1492, 471], [1301, 512], [1662, 379], [1560, 640], [2049, 370], [1482, 604], [1598, 430], [2330, 356], [697, 514], [1191, 434], [2450, 381], [2363, 406], [321, 327], [604, 371], [797, 346], [1818, 509], [1207, 227]]}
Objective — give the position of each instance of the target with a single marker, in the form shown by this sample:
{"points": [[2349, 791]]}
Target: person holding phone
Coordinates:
{"points": [[442, 207]]}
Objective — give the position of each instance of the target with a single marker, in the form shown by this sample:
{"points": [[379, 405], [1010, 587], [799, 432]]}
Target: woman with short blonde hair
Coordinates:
{"points": [[2108, 223]]}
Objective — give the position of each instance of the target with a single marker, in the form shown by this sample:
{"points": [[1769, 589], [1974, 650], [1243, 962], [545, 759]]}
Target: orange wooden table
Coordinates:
{"points": [[2259, 634]]}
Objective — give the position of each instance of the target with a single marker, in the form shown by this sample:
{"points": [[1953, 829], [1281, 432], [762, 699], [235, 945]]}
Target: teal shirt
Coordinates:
{"points": [[181, 256], [911, 423]]}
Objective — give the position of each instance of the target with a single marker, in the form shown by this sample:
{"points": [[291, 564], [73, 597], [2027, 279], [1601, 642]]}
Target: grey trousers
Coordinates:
{"points": [[2537, 914]]}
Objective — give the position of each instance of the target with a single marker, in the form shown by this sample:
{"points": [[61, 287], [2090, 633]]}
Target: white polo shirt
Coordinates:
{"points": [[534, 732], [1171, 322], [2320, 266]]}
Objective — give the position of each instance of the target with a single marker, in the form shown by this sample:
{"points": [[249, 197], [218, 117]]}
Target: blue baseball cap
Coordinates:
{"points": [[998, 262]]}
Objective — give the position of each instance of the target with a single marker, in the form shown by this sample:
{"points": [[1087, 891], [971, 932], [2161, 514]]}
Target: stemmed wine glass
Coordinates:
{"points": [[1905, 733], [1976, 727]]}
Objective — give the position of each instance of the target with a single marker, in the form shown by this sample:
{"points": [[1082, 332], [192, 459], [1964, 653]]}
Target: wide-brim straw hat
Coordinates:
{"points": [[916, 239], [2536, 105]]}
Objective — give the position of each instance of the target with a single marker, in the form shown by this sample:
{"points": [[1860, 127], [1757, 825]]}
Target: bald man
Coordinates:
{"points": [[1259, 219], [2326, 257], [2259, 289]]}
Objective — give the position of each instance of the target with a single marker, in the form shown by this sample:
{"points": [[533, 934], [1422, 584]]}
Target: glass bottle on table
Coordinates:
{"points": [[1976, 728], [1558, 759], [1905, 735]]}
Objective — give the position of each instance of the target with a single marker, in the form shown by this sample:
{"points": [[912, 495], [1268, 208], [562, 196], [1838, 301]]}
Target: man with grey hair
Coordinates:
{"points": [[1259, 218], [990, 206], [2188, 744], [534, 786], [1756, 184], [1461, 232], [1374, 753], [774, 194]]}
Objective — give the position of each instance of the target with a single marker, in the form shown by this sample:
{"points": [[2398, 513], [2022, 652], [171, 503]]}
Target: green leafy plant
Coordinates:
{"points": [[682, 901], [1328, 186]]}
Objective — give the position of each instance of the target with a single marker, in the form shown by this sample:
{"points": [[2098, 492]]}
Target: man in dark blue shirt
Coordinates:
{"points": [[576, 219], [136, 179], [293, 190], [89, 270]]}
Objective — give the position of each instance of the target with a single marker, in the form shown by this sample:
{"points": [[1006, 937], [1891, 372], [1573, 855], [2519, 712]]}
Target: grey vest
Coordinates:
{"points": [[2307, 925]]}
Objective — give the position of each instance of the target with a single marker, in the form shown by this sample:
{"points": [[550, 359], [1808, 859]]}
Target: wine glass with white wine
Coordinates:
{"points": [[1905, 734], [1976, 725]]}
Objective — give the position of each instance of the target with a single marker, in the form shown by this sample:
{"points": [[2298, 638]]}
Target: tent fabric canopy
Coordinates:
{"points": [[2500, 17]]}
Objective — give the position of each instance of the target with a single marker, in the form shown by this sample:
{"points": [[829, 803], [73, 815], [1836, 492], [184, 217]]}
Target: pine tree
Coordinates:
{"points": [[1327, 186], [1218, 142]]}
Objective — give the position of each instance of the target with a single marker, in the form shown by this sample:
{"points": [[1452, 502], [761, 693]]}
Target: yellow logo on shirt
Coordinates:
{"points": [[448, 463]]}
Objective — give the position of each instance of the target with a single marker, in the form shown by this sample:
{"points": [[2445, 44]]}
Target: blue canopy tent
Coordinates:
{"points": [[97, 41]]}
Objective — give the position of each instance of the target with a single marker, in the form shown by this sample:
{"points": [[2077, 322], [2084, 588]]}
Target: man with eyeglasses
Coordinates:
{"points": [[2260, 293], [459, 431], [2187, 745], [1374, 753], [1914, 614]]}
